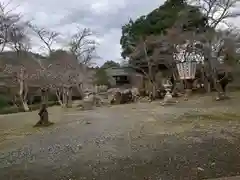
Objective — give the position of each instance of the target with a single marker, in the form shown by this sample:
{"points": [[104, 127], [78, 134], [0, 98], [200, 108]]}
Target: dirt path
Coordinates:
{"points": [[191, 140]]}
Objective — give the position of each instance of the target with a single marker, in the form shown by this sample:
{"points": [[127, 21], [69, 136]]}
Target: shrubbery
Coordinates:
{"points": [[4, 102], [6, 106], [14, 109]]}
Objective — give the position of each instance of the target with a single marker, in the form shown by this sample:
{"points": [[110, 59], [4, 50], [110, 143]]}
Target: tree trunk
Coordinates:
{"points": [[188, 88], [177, 88], [64, 97], [25, 106], [222, 82], [58, 94], [152, 94], [207, 85], [44, 96], [154, 90], [80, 90], [212, 62], [23, 95], [14, 100], [69, 102]]}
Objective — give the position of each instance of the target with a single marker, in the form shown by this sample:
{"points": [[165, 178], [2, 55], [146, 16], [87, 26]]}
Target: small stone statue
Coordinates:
{"points": [[223, 80], [43, 114], [168, 96], [151, 98], [168, 99]]}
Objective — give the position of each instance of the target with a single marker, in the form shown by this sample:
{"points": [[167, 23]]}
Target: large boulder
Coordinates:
{"points": [[120, 96], [90, 101], [126, 96], [111, 94], [135, 94]]}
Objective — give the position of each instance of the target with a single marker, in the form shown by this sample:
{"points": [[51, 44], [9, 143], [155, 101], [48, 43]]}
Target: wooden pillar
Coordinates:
{"points": [[188, 88]]}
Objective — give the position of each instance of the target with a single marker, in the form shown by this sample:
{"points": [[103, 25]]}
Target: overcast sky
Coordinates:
{"points": [[105, 17]]}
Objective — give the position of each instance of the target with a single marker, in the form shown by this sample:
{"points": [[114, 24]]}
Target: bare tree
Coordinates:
{"points": [[48, 37], [3, 27], [83, 47], [213, 44], [21, 72], [184, 44], [43, 78], [63, 83], [18, 39], [232, 47], [216, 48], [146, 63], [217, 11], [64, 74], [221, 53], [8, 21], [176, 46], [21, 75]]}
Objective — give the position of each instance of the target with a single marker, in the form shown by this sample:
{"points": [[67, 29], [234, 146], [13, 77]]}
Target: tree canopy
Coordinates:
{"points": [[158, 22], [110, 64], [101, 77]]}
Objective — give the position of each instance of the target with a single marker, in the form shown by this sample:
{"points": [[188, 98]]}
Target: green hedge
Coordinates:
{"points": [[4, 102], [12, 109]]}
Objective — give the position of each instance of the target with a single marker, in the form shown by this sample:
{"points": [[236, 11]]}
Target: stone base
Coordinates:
{"points": [[188, 92], [168, 103], [168, 99], [43, 125], [221, 97]]}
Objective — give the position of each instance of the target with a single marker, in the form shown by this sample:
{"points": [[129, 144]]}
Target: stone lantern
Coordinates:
{"points": [[187, 69], [168, 99], [186, 58], [187, 72]]}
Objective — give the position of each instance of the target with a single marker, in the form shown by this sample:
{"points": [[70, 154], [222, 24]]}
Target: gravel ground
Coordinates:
{"points": [[196, 139]]}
